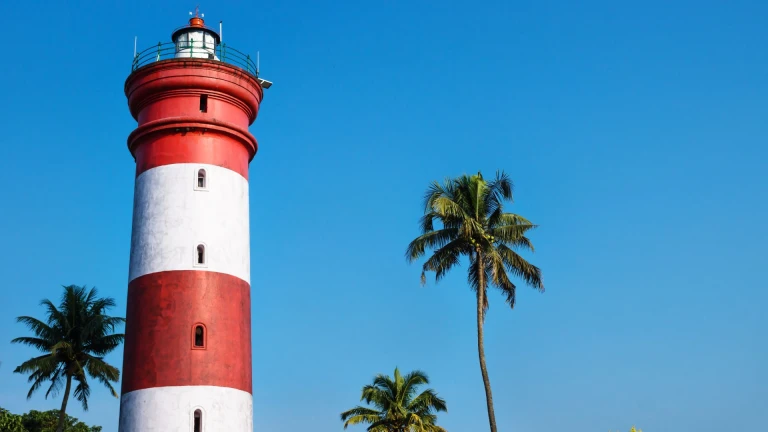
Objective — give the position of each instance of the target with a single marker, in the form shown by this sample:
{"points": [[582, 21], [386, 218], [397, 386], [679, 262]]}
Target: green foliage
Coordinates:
{"points": [[398, 408], [10, 422], [41, 421], [73, 341], [474, 224]]}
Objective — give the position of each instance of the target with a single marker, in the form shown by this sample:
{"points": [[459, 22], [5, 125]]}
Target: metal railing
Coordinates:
{"points": [[192, 49]]}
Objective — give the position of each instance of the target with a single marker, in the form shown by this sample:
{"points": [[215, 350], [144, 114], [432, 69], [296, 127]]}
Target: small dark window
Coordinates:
{"points": [[200, 254], [198, 421], [203, 103], [201, 179], [199, 336]]}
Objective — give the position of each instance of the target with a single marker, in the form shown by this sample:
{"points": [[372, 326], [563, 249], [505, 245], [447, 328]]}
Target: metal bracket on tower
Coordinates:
{"points": [[264, 83]]}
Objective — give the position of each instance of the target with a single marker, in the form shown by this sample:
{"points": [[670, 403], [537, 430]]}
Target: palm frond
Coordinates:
{"points": [[55, 316], [427, 222], [521, 268], [427, 402], [414, 422], [511, 219], [56, 381], [380, 398], [40, 369], [502, 187], [37, 379], [46, 363], [496, 192], [512, 234], [437, 190], [446, 201], [39, 328], [360, 419], [103, 372], [97, 325], [82, 392], [387, 387], [359, 411], [497, 270], [447, 208], [98, 306], [433, 240], [523, 243], [411, 381], [104, 345], [381, 425], [444, 259], [40, 344]]}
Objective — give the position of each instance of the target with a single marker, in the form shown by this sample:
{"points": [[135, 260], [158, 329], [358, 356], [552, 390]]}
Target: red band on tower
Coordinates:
{"points": [[193, 111], [161, 352]]}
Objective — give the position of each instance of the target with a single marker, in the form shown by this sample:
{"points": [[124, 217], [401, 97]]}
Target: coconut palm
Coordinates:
{"points": [[74, 340], [397, 407], [473, 223]]}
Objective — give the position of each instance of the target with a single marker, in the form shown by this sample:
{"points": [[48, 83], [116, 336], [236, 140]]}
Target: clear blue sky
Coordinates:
{"points": [[636, 136]]}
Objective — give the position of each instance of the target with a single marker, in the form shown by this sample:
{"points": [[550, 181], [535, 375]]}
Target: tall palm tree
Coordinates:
{"points": [[474, 224], [397, 406], [74, 339]]}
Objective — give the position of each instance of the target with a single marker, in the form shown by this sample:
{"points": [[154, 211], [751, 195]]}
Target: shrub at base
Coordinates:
{"points": [[41, 421]]}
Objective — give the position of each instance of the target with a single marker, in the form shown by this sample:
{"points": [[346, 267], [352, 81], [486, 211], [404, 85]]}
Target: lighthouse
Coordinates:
{"points": [[187, 358]]}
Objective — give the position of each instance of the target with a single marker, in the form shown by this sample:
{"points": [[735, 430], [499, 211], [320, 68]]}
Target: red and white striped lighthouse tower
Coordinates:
{"points": [[187, 361]]}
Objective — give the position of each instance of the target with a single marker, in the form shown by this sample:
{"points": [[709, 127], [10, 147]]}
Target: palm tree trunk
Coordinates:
{"points": [[62, 412], [480, 346]]}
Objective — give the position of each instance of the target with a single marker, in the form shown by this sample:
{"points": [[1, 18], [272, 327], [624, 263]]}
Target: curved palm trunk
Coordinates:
{"points": [[480, 346], [62, 412]]}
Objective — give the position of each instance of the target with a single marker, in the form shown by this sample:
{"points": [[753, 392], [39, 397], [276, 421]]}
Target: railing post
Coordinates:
{"points": [[248, 63], [135, 62], [191, 47], [158, 51]]}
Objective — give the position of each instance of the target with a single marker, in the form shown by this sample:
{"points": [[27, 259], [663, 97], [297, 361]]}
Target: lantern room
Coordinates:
{"points": [[196, 40]]}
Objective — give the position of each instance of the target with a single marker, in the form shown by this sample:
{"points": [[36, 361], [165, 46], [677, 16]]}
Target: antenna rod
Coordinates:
{"points": [[221, 31]]}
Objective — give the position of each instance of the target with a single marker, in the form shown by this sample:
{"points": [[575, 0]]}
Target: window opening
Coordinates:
{"points": [[199, 336], [200, 254], [204, 103], [201, 179], [198, 421]]}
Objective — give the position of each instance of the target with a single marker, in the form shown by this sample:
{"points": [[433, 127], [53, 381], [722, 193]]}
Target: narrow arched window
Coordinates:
{"points": [[198, 421], [200, 254], [199, 336], [201, 179]]}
